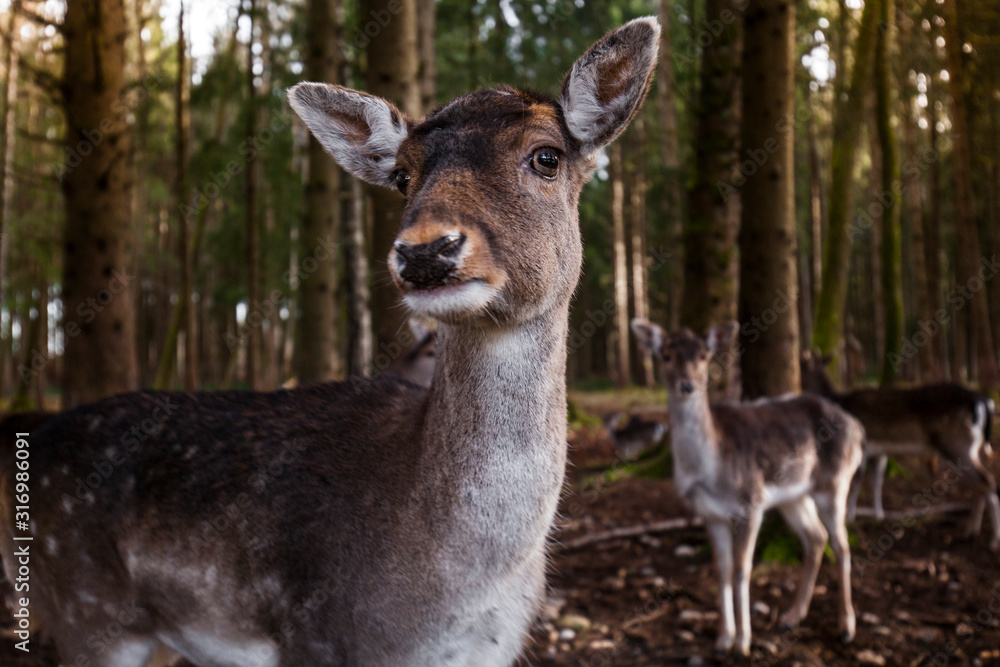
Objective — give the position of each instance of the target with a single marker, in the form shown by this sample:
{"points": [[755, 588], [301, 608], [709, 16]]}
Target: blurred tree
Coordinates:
{"points": [[392, 72], [973, 335], [767, 239], [317, 331], [96, 183], [892, 270], [711, 255], [848, 115]]}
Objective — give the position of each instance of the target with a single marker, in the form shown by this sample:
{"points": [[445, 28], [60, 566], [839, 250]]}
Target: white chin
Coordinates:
{"points": [[452, 300]]}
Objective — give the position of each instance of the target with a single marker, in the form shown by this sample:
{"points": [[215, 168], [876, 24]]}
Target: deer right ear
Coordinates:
{"points": [[649, 335], [608, 84], [719, 336], [362, 132]]}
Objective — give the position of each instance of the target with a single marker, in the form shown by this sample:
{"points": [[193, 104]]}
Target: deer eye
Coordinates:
{"points": [[703, 356], [401, 180], [545, 161]]}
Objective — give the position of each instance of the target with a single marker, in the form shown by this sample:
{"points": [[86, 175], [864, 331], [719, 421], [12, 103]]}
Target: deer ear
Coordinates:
{"points": [[718, 337], [649, 335], [607, 85], [362, 132]]}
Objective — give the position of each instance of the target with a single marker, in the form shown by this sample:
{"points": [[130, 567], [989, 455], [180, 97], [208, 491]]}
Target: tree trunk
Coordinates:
{"points": [[392, 73], [972, 320], [892, 267], [317, 352], [933, 238], [8, 96], [253, 342], [182, 319], [637, 225], [622, 375], [426, 28], [670, 203], [100, 345], [928, 366], [359, 330], [768, 282], [711, 256], [841, 232]]}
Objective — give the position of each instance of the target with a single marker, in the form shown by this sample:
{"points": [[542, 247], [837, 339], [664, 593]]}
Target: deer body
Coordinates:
{"points": [[733, 462], [946, 419], [369, 523]]}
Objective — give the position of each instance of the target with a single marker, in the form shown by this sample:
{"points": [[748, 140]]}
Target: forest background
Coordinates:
{"points": [[825, 171]]}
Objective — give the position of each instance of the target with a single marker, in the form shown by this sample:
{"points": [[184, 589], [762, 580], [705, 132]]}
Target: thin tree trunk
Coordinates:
{"points": [[923, 336], [711, 255], [622, 375], [317, 354], [841, 231], [768, 282], [933, 240], [392, 73], [100, 349], [253, 342], [892, 259], [670, 203], [359, 336], [183, 315], [426, 28], [640, 291], [973, 321], [8, 96]]}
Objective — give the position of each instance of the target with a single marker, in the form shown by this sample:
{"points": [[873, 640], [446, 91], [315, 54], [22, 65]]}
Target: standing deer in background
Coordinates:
{"points": [[944, 418], [368, 522], [734, 461]]}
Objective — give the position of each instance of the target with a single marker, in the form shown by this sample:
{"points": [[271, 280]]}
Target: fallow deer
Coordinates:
{"points": [[635, 436], [734, 461], [946, 419], [369, 522]]}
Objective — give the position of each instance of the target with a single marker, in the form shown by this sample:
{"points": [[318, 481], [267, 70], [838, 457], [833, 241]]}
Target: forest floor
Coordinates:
{"points": [[924, 595]]}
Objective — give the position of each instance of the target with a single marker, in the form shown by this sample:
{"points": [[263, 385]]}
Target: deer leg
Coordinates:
{"points": [[722, 544], [975, 522], [744, 540], [801, 517], [856, 481], [983, 478], [124, 651], [878, 479], [832, 513]]}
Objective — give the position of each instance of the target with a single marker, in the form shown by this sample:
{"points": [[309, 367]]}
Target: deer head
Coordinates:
{"points": [[490, 233]]}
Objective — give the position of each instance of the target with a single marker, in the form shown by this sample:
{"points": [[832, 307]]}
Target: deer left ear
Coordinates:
{"points": [[607, 85], [718, 337], [649, 335]]}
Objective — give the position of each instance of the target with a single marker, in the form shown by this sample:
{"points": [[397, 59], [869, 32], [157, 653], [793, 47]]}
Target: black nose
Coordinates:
{"points": [[431, 264], [686, 387]]}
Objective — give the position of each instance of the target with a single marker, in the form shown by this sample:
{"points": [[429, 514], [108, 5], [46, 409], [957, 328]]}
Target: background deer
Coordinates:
{"points": [[369, 522], [732, 462], [948, 419]]}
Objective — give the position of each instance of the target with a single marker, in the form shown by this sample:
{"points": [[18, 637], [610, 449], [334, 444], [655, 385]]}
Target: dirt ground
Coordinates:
{"points": [[924, 595]]}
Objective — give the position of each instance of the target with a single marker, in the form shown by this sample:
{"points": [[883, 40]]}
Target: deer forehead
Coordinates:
{"points": [[684, 346], [480, 129]]}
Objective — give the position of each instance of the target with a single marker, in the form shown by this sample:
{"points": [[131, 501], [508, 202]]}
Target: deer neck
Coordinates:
{"points": [[694, 440], [497, 410]]}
